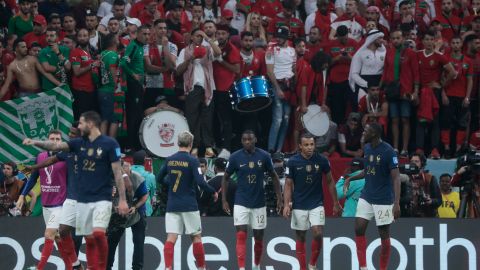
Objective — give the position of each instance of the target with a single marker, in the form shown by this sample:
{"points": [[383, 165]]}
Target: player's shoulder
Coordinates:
{"points": [[107, 140], [262, 152], [236, 154], [387, 147]]}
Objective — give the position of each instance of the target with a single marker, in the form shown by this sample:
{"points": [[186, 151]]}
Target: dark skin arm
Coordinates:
{"points": [[278, 190], [225, 205]]}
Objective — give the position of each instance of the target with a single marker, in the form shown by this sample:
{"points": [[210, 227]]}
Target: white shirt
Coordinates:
{"points": [[370, 63], [283, 59], [209, 15], [94, 41], [239, 19], [310, 6], [156, 80], [105, 9], [355, 29], [310, 21], [198, 74]]}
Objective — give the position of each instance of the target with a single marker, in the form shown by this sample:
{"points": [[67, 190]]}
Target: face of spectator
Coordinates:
{"points": [[370, 26], [113, 26], [69, 23], [7, 170], [307, 146], [118, 12], [248, 141], [177, 14], [209, 29], [25, 7], [34, 51], [287, 12], [161, 30], [314, 35], [322, 6], [22, 48], [445, 185], [372, 16], [222, 37], [300, 48], [34, 7], [209, 2], [350, 7], [132, 28], [197, 11], [416, 160], [37, 29], [91, 22], [352, 124], [374, 92], [69, 43], [203, 167], [456, 44], [428, 42], [255, 20], [476, 25], [151, 7], [197, 38], [56, 24], [281, 41], [476, 5], [51, 37], [247, 43], [476, 45], [396, 38], [405, 10], [436, 26], [143, 36], [447, 6], [83, 37], [379, 42]]}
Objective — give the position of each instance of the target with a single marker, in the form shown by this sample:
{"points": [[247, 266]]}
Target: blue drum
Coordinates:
{"points": [[251, 94]]}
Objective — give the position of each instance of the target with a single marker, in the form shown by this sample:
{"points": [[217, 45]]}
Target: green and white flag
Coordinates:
{"points": [[33, 117]]}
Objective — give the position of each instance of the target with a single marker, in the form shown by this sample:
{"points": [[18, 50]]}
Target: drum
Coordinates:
{"points": [[251, 94], [159, 132], [316, 121]]}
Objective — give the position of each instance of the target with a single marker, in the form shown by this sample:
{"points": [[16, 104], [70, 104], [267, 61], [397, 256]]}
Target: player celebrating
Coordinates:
{"points": [[98, 157], [304, 180], [183, 173], [250, 165], [381, 182]]}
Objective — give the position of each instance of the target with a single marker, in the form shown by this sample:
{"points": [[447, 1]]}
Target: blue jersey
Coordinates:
{"points": [[183, 175], [250, 170], [307, 180], [70, 159], [379, 162], [94, 167]]}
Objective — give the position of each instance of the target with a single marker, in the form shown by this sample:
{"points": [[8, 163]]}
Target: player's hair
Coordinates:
{"points": [[305, 135], [377, 129], [158, 21], [445, 175], [54, 131], [118, 3], [423, 159], [246, 34], [92, 116], [16, 42], [248, 132], [185, 139]]}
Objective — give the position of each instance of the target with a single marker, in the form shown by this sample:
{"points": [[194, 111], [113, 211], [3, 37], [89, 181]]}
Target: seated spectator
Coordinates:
{"points": [[10, 190], [374, 107], [162, 104], [354, 190], [349, 137], [327, 144], [450, 199], [207, 205]]}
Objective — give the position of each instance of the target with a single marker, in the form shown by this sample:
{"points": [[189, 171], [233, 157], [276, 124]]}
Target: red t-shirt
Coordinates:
{"points": [[458, 86], [340, 71], [447, 23], [256, 68], [269, 8], [30, 38], [296, 27], [362, 104], [83, 82], [223, 77], [430, 66]]}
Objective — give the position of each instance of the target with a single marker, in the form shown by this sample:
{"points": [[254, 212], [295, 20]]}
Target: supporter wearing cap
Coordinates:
{"points": [[354, 189], [130, 32], [240, 10], [349, 136], [38, 34], [226, 19], [286, 19], [351, 19], [21, 24]]}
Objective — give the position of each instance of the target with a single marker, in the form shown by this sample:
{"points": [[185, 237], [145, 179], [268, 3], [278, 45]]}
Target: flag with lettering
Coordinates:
{"points": [[33, 116]]}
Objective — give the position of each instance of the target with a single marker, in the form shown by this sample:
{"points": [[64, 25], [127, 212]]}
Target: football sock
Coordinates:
{"points": [[199, 254], [168, 253], [258, 250], [64, 254], [300, 250], [241, 248], [91, 253], [102, 249], [46, 252], [316, 247], [361, 242], [384, 254]]}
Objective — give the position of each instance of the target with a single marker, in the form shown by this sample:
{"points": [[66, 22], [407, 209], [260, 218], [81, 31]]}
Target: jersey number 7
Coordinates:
{"points": [[177, 181]]}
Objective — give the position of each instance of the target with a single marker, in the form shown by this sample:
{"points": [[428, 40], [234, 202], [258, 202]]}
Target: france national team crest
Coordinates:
{"points": [[317, 167], [90, 152], [259, 163], [308, 168], [99, 152], [379, 159], [251, 164]]}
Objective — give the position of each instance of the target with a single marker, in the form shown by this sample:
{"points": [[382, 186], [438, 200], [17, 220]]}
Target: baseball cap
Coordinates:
{"points": [[342, 31], [282, 32], [135, 21], [357, 162], [39, 19], [227, 13]]}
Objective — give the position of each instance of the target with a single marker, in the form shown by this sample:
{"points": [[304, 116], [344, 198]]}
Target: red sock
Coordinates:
{"points": [[461, 135], [168, 254], [241, 248], [65, 255], [445, 137], [69, 247], [199, 254], [385, 254], [102, 249], [361, 242], [300, 247], [258, 250], [316, 247], [46, 252], [92, 263]]}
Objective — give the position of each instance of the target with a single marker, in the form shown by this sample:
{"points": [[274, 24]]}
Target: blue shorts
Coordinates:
{"points": [[400, 108], [105, 101]]}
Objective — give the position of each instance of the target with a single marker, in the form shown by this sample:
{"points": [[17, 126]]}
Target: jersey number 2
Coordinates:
{"points": [[177, 180]]}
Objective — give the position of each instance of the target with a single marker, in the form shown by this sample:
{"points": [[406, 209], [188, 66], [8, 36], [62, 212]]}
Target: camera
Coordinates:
{"points": [[471, 160], [409, 169]]}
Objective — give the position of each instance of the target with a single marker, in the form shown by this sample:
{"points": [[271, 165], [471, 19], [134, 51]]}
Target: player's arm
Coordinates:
{"points": [[226, 206], [395, 174], [278, 189], [346, 184], [333, 192], [27, 188], [117, 172], [47, 145], [45, 163], [287, 197]]}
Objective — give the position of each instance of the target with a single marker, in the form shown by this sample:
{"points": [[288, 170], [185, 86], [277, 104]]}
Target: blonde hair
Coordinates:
{"points": [[260, 31], [185, 139]]}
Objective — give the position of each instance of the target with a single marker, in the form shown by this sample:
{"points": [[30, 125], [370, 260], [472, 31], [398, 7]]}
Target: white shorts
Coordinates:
{"points": [[302, 220], [69, 212], [254, 217], [92, 215], [175, 222], [52, 216], [383, 213]]}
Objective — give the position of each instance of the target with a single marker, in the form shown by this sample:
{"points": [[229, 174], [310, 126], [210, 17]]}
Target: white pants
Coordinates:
{"points": [[253, 217], [383, 213], [52, 216], [69, 213], [92, 215], [175, 222], [302, 220]]}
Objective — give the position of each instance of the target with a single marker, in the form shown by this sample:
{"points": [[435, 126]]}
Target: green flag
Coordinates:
{"points": [[33, 117]]}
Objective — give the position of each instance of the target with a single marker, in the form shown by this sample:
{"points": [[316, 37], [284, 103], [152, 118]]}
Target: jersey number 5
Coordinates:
{"points": [[177, 180]]}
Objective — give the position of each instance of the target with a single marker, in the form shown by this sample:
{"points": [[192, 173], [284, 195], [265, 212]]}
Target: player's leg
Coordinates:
{"points": [[174, 227], [364, 213], [66, 228], [168, 250], [317, 221], [384, 232], [241, 219], [300, 224], [102, 211], [258, 221], [193, 227], [52, 219], [198, 251]]}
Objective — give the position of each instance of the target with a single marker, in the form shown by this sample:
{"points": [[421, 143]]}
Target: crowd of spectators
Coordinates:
{"points": [[412, 66]]}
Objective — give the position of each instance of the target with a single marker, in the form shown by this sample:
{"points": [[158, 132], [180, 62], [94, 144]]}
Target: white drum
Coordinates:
{"points": [[316, 121], [159, 132]]}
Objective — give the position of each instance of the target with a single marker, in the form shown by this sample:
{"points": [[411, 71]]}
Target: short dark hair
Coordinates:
{"points": [[118, 3], [318, 60], [108, 40], [139, 157], [54, 131], [158, 21], [377, 129], [92, 116], [405, 2], [422, 157], [194, 30], [298, 40], [305, 135], [16, 42], [50, 29], [54, 16], [68, 15], [248, 132], [246, 34], [428, 33], [445, 175], [202, 160], [209, 21]]}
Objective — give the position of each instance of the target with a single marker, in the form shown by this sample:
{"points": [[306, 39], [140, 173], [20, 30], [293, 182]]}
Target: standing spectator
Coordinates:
{"points": [[83, 89], [54, 59], [268, 9], [150, 12], [406, 18], [400, 75], [195, 65], [472, 44], [253, 63], [450, 198], [240, 10], [285, 19], [314, 43], [254, 25], [352, 20], [21, 24], [118, 12], [150, 182], [10, 188], [174, 20], [210, 28], [91, 23], [38, 34], [431, 64], [280, 60], [451, 24], [55, 23], [69, 25], [373, 14], [197, 16], [456, 100], [355, 189], [341, 50], [225, 69], [160, 59], [349, 136], [133, 69], [322, 19]]}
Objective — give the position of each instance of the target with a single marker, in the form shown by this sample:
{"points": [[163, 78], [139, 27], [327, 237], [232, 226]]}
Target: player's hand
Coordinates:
{"points": [[279, 206], [28, 141], [132, 210], [28, 169], [123, 209], [346, 185], [215, 197], [396, 211], [226, 207], [20, 202], [337, 209], [287, 211]]}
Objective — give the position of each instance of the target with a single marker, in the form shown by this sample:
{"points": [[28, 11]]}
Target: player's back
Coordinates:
{"points": [[379, 162]]}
